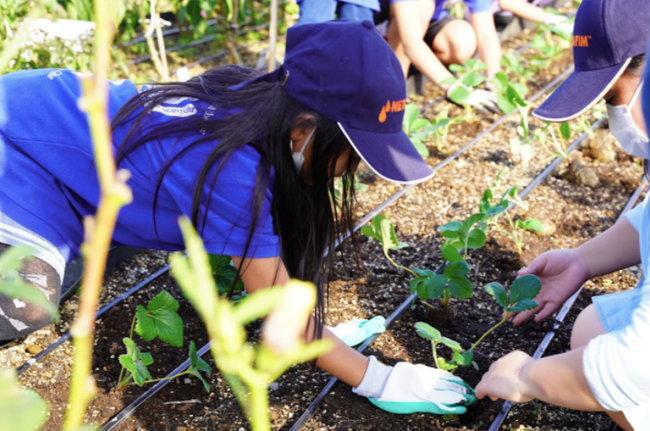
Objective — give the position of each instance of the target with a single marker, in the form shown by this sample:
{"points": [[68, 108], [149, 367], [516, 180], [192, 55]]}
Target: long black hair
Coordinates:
{"points": [[307, 217]]}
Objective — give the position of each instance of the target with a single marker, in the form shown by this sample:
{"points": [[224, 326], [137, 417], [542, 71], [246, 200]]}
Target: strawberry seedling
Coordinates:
{"points": [[158, 319], [413, 126], [560, 135], [522, 292], [383, 230], [459, 358], [452, 282], [464, 235]]}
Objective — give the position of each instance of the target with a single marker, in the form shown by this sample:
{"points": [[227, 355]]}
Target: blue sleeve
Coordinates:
{"points": [[230, 207], [477, 6]]}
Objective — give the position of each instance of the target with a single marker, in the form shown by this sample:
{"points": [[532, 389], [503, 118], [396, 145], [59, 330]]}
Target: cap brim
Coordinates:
{"points": [[579, 93], [392, 156]]}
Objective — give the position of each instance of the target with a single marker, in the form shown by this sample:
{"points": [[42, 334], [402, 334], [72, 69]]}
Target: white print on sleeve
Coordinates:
{"points": [[54, 74], [183, 111]]}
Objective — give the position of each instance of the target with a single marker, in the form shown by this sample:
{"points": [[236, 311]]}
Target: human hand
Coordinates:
{"points": [[482, 100], [420, 389], [503, 379], [561, 272]]}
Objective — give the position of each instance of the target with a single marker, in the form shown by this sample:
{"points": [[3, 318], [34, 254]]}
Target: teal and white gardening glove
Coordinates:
{"points": [[407, 388], [358, 331]]}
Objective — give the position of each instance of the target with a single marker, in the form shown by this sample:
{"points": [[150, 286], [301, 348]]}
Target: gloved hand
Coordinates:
{"points": [[554, 19], [482, 100], [358, 331], [407, 388], [559, 24]]}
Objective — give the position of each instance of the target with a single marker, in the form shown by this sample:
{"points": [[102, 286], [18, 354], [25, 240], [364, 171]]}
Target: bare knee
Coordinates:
{"points": [[456, 43], [586, 328]]}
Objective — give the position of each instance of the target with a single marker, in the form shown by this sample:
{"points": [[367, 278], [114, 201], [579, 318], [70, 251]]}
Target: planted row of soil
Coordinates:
{"points": [[572, 211]]}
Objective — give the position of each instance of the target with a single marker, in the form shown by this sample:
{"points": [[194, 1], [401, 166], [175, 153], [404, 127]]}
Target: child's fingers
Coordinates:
{"points": [[521, 317]]}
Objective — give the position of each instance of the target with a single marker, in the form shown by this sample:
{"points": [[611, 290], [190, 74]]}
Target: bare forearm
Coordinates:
{"points": [[523, 9], [427, 63], [614, 249], [342, 361], [489, 47], [559, 380]]}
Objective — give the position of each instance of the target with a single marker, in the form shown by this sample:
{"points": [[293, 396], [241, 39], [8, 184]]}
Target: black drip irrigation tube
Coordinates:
{"points": [[559, 319], [196, 43], [130, 409], [65, 337], [165, 33]]}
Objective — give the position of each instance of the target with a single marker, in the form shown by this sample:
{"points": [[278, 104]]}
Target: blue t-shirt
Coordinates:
{"points": [[370, 4], [474, 6], [49, 182]]}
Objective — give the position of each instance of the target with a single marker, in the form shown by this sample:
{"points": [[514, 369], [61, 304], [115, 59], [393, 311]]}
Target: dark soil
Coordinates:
{"points": [[573, 213]]}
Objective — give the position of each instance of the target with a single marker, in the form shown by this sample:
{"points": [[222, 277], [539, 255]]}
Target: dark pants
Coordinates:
{"points": [[18, 318], [314, 11]]}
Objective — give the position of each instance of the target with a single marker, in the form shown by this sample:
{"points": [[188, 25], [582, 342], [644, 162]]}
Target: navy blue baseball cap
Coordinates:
{"points": [[345, 71], [606, 35]]}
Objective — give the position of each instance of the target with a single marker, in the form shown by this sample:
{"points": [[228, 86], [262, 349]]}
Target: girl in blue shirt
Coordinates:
{"points": [[249, 157]]}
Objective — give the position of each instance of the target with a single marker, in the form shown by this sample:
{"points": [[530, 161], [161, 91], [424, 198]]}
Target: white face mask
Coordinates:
{"points": [[622, 126], [298, 158]]}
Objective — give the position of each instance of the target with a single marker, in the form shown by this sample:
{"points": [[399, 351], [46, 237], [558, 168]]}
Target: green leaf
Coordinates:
{"points": [[436, 286], [429, 285], [464, 359], [197, 364], [451, 226], [460, 287], [224, 274], [169, 327], [411, 113], [428, 332], [521, 89], [419, 123], [472, 79], [421, 148], [476, 239], [20, 409], [513, 95], [386, 231], [369, 231], [136, 362], [534, 224], [471, 221], [500, 81], [160, 319], [451, 254], [453, 345], [565, 130], [498, 292], [163, 301], [457, 269], [524, 287], [505, 104], [538, 42], [450, 234], [459, 95], [145, 326], [456, 68], [523, 305]]}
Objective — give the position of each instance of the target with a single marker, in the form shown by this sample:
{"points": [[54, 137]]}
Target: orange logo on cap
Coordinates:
{"points": [[581, 41], [395, 106]]}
